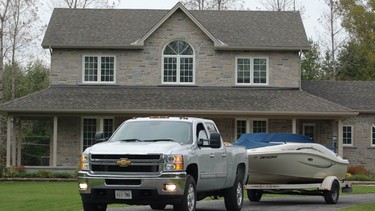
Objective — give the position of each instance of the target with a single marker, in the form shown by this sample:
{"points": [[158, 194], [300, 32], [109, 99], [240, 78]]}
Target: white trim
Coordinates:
{"points": [[252, 70], [99, 125], [352, 135], [178, 70], [372, 132], [99, 56], [249, 124]]}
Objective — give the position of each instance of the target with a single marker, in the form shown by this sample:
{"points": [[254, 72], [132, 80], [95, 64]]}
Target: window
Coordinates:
{"points": [[178, 63], [99, 69], [93, 125], [256, 126], [309, 130], [347, 135], [252, 71], [373, 134]]}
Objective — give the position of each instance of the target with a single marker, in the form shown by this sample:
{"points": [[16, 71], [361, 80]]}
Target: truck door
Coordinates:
{"points": [[220, 160], [207, 162]]}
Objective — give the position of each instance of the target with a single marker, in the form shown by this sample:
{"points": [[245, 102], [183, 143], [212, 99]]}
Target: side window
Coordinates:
{"points": [[201, 132]]}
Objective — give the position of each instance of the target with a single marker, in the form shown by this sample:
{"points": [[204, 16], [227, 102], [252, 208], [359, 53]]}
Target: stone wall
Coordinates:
{"points": [[144, 67], [69, 144], [362, 152]]}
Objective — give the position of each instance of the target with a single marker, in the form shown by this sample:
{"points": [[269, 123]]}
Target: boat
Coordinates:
{"points": [[294, 161]]}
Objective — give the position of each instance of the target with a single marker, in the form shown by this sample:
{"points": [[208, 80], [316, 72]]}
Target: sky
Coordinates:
{"points": [[313, 11]]}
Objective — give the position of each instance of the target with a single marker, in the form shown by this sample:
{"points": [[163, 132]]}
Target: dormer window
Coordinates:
{"points": [[178, 63], [252, 71], [98, 69]]}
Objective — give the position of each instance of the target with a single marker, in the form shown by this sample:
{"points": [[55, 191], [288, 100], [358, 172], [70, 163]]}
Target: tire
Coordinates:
{"points": [[332, 196], [189, 199], [158, 206], [233, 197], [254, 195], [93, 206]]}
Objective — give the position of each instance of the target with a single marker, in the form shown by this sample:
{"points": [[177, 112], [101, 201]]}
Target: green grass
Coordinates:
{"points": [[64, 196], [31, 196]]}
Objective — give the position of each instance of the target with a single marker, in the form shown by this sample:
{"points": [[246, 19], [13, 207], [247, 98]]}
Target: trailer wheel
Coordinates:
{"points": [[254, 195], [332, 196], [233, 197]]}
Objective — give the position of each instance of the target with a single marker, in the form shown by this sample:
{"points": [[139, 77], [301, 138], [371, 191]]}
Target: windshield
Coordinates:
{"points": [[154, 131]]}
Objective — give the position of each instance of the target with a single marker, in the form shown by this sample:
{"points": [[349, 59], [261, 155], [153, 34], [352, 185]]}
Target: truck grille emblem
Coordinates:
{"points": [[123, 162]]}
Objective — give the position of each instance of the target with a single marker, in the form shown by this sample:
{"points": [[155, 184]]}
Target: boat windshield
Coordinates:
{"points": [[153, 131]]}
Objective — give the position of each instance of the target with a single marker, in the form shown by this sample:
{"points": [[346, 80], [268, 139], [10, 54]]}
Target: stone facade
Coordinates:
{"points": [[144, 67]]}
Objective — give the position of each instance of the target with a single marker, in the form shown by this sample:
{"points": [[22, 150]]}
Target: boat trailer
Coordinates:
{"points": [[329, 189]]}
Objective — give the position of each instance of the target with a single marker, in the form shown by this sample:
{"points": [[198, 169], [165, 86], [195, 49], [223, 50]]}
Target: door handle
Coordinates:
{"points": [[212, 156], [224, 155]]}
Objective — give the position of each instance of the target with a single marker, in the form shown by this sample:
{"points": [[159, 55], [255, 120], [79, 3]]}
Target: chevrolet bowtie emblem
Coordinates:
{"points": [[123, 162]]}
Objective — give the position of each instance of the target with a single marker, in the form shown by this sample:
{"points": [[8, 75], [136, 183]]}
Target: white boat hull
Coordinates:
{"points": [[294, 163]]}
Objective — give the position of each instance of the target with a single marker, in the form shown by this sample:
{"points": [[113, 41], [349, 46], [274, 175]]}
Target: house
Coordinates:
{"points": [[239, 68]]}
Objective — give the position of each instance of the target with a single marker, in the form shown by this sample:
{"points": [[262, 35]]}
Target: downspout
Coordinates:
{"points": [[300, 69]]}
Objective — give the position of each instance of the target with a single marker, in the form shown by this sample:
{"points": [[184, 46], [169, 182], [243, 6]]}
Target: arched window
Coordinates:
{"points": [[178, 63]]}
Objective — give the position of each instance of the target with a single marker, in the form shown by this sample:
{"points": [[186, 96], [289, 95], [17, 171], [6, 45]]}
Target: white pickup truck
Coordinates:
{"points": [[161, 161]]}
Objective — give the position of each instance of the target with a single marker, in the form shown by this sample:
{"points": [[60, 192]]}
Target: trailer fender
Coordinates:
{"points": [[327, 183]]}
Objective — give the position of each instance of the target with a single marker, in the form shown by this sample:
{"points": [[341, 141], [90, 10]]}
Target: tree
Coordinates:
{"points": [[359, 21], [279, 5], [74, 4], [213, 4], [310, 63], [351, 61]]}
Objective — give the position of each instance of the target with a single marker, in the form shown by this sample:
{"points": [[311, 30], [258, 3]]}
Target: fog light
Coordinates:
{"points": [[83, 186], [170, 187]]}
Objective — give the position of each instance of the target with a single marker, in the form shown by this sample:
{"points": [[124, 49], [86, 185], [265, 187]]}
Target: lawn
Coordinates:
{"points": [[64, 196]]}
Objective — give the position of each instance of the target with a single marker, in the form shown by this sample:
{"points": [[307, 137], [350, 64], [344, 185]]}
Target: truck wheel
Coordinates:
{"points": [[189, 199], [254, 195], [158, 206], [233, 197], [93, 206], [332, 196]]}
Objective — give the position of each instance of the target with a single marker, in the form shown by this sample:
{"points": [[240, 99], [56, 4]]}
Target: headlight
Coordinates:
{"points": [[174, 163], [84, 162]]}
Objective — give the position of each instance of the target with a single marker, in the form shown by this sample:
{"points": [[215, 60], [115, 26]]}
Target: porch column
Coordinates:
{"points": [[340, 148], [294, 126], [54, 148], [18, 139], [14, 144], [9, 139]]}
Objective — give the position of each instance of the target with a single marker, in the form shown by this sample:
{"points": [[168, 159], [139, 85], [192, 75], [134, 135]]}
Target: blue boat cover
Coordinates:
{"points": [[255, 140]]}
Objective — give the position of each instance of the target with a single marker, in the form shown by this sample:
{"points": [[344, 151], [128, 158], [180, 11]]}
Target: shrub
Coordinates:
{"points": [[357, 169], [360, 177]]}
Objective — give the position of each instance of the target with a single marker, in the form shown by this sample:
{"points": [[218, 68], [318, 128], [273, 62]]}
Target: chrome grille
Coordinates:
{"points": [[139, 163]]}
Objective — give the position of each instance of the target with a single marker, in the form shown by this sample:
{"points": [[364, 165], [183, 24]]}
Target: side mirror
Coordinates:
{"points": [[213, 142], [99, 137]]}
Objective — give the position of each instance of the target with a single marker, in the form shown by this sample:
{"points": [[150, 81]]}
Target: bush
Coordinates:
{"points": [[360, 177], [354, 169], [19, 172]]}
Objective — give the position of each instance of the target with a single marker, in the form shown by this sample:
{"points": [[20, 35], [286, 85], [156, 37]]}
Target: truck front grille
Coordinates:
{"points": [[139, 163]]}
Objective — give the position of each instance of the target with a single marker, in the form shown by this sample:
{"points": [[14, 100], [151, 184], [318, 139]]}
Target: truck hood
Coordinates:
{"points": [[119, 147]]}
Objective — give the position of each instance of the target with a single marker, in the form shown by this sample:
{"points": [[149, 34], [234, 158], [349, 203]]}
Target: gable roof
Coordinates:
{"points": [[128, 28], [356, 95], [175, 100]]}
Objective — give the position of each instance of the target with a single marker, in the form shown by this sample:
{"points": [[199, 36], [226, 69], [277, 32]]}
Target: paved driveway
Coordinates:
{"points": [[288, 203]]}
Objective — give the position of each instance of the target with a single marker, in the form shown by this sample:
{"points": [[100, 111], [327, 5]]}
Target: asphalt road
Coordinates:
{"points": [[287, 203]]}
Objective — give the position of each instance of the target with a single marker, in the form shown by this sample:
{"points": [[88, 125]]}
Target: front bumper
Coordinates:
{"points": [[145, 189]]}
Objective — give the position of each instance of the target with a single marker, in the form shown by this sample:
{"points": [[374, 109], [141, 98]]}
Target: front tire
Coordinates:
{"points": [[233, 197], [332, 196], [94, 206], [189, 199]]}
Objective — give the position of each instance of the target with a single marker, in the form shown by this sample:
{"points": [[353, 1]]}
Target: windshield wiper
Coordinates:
{"points": [[156, 140], [130, 140]]}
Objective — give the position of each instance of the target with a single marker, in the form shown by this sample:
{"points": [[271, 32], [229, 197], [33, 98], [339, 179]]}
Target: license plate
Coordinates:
{"points": [[123, 194]]}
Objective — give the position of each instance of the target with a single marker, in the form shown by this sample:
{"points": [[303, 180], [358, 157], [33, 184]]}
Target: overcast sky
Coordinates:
{"points": [[313, 11]]}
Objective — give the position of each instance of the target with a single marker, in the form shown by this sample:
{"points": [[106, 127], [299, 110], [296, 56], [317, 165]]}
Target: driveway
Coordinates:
{"points": [[287, 203]]}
